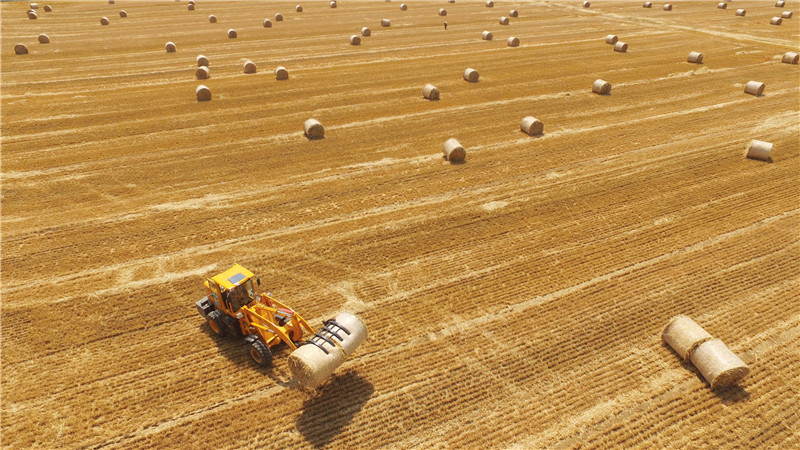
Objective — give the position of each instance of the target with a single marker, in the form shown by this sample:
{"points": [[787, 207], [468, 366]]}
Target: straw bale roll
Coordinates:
{"points": [[647, 5], [621, 47], [249, 67], [442, 12], [741, 12], [203, 93], [490, 4], [170, 47], [759, 150], [313, 129], [281, 73], [212, 19], [21, 49], [403, 7], [34, 6], [202, 73], [776, 21], [513, 13], [471, 75], [722, 5], [430, 92], [601, 87], [695, 57], [366, 31], [48, 8], [123, 14], [513, 41], [44, 39], [298, 8], [386, 23], [790, 58], [786, 15], [333, 5], [754, 88], [531, 126], [190, 7], [104, 21], [780, 4], [487, 36], [684, 335], [453, 150], [612, 39], [504, 20], [719, 366], [587, 4], [667, 7], [355, 40], [110, 2], [202, 61], [232, 33], [279, 17], [32, 14], [267, 23]]}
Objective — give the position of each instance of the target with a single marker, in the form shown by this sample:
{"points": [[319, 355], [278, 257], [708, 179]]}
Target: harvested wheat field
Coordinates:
{"points": [[515, 299]]}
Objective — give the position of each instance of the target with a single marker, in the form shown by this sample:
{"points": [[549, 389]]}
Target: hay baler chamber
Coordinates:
{"points": [[232, 308]]}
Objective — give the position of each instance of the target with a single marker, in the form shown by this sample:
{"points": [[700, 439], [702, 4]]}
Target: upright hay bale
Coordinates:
{"points": [[170, 47], [490, 4], [487, 36], [780, 4], [104, 21], [531, 126], [621, 47], [647, 5], [471, 75], [278, 17], [587, 4], [267, 23], [718, 365], [366, 31], [44, 39], [48, 8], [442, 12], [790, 58], [513, 41], [21, 49], [754, 88], [249, 67], [504, 20], [786, 15], [232, 33], [123, 14], [776, 21], [667, 7], [203, 93], [684, 335], [281, 73], [513, 13], [403, 7], [386, 23], [695, 57], [212, 18], [313, 129], [430, 92], [722, 5], [298, 8], [32, 15], [202, 73], [355, 40], [741, 12], [612, 39], [759, 150], [453, 150], [601, 87], [202, 61]]}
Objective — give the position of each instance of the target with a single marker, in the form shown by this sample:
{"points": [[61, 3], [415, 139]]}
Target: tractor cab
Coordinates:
{"points": [[232, 289]]}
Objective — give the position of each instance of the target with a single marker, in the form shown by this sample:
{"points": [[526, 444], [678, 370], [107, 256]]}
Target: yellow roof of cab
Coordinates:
{"points": [[233, 277]]}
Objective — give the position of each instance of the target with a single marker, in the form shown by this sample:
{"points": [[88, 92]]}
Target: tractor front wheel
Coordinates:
{"points": [[216, 323], [260, 353]]}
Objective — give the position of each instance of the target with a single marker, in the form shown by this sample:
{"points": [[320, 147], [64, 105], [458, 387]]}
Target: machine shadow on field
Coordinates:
{"points": [[333, 407], [728, 395]]}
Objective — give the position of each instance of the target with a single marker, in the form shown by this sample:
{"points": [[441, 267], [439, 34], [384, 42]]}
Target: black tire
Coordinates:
{"points": [[260, 353], [216, 323], [232, 327]]}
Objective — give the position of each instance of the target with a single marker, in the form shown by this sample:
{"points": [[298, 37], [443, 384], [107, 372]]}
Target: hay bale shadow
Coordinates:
{"points": [[333, 407]]}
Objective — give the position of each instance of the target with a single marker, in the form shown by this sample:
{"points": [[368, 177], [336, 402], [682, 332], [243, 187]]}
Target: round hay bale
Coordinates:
{"points": [[203, 93], [586, 4], [34, 6], [754, 88], [212, 19], [21, 49], [741, 12], [504, 20], [790, 58], [786, 15], [453, 150], [759, 150], [442, 12], [776, 21], [313, 129], [430, 92], [513, 41], [471, 75], [722, 5], [191, 7], [601, 87], [170, 47], [386, 23], [191, 2], [267, 23], [695, 57], [123, 14], [780, 4], [490, 4], [621, 47], [281, 73], [718, 365], [403, 7], [612, 39], [278, 17], [451, 1], [647, 5], [487, 36], [249, 67], [32, 15], [684, 335], [298, 8], [333, 5], [355, 40], [110, 2], [531, 126], [202, 73], [667, 7], [366, 31], [202, 61], [232, 33], [104, 21], [44, 39], [48, 8], [513, 13]]}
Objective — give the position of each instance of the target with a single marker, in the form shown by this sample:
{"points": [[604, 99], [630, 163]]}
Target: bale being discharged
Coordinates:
{"points": [[719, 366], [471, 75], [531, 126], [430, 92], [754, 88], [695, 57], [759, 150], [170, 47], [601, 87], [453, 150], [684, 335], [313, 129], [203, 93]]}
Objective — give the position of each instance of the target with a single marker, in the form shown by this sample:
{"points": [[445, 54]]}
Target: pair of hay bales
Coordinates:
{"points": [[32, 15], [355, 40], [170, 47], [718, 365], [613, 39], [601, 87], [790, 58]]}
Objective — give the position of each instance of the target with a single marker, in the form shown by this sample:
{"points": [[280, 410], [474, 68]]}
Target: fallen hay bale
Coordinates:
{"points": [[430, 92], [601, 87], [170, 47], [281, 73], [487, 36], [123, 14], [403, 7], [759, 150], [355, 40], [44, 39], [587, 4], [202, 61], [442, 12], [48, 8], [202, 73], [366, 31], [776, 21], [298, 8], [684, 335], [504, 20], [249, 67], [718, 365], [453, 151], [21, 49], [647, 5], [386, 23], [513, 13], [612, 39], [754, 88], [490, 4], [621, 47], [267, 23], [104, 21], [203, 93], [722, 5], [32, 15], [313, 129], [695, 57], [531, 126], [212, 18], [471, 75], [513, 41], [232, 33], [741, 12], [786, 15], [790, 58], [667, 7]]}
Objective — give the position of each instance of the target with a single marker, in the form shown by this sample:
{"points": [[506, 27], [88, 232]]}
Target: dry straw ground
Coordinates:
{"points": [[515, 300]]}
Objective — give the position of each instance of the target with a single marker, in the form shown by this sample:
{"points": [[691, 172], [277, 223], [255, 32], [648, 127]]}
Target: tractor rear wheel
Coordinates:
{"points": [[260, 353], [216, 323]]}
